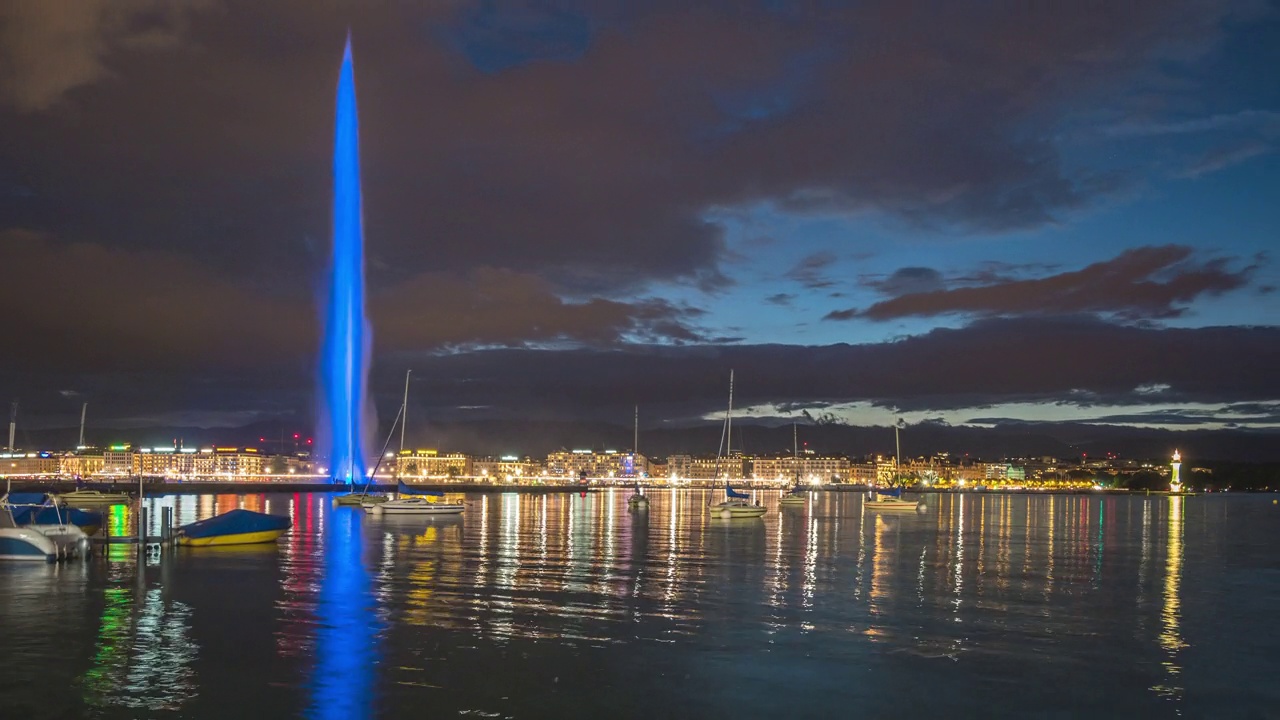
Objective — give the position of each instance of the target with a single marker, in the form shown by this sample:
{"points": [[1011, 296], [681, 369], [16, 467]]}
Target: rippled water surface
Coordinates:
{"points": [[551, 606]]}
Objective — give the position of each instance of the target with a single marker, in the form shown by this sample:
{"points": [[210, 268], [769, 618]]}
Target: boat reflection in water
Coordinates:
{"points": [[144, 652]]}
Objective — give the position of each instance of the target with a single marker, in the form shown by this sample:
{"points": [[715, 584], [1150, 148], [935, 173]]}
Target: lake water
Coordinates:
{"points": [[567, 606]]}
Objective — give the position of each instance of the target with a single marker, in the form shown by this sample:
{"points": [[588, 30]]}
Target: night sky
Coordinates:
{"points": [[968, 212]]}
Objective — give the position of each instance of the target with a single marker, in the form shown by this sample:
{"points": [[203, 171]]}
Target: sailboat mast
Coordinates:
{"points": [[897, 451], [795, 452], [13, 422], [635, 438], [84, 410], [728, 446], [404, 405], [404, 419]]}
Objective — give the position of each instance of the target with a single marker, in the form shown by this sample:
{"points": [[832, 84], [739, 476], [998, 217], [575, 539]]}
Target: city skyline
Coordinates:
{"points": [[1037, 217]]}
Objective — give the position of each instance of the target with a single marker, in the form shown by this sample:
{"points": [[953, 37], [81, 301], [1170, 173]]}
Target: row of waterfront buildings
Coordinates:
{"points": [[236, 463]]}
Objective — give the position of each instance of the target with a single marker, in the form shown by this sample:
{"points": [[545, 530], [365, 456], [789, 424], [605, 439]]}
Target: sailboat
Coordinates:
{"points": [[415, 501], [364, 498], [890, 499], [637, 500], [794, 496], [736, 504]]}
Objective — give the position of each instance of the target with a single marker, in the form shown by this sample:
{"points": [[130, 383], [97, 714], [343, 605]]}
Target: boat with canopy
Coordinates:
{"points": [[237, 527]]}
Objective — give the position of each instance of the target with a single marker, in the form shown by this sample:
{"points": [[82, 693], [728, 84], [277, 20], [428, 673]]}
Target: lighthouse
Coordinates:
{"points": [[1175, 480]]}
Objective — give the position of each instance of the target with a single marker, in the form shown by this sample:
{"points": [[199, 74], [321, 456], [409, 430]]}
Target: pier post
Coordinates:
{"points": [[142, 535], [166, 526]]}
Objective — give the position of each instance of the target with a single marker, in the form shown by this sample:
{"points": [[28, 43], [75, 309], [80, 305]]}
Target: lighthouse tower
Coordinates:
{"points": [[1175, 481]]}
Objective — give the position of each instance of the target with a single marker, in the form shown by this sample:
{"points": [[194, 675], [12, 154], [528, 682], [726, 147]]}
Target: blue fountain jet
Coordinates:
{"points": [[344, 363]]}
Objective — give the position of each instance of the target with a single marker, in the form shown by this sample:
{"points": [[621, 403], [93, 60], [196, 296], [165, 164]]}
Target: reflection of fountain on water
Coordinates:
{"points": [[346, 652]]}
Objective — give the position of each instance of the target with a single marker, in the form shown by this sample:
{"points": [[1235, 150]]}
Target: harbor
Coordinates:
{"points": [[584, 602]]}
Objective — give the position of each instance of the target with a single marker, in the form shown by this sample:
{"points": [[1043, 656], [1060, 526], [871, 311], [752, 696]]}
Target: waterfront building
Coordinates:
{"points": [[35, 464], [809, 467], [431, 464]]}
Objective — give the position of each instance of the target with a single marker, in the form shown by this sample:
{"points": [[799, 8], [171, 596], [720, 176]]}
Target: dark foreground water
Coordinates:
{"points": [[555, 606]]}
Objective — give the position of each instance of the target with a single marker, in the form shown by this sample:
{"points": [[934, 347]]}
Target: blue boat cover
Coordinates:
{"points": [[34, 508], [409, 490], [733, 493], [892, 492], [27, 498], [53, 516], [236, 522]]}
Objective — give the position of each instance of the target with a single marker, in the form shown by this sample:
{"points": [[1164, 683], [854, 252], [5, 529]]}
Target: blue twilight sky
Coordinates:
{"points": [[871, 210]]}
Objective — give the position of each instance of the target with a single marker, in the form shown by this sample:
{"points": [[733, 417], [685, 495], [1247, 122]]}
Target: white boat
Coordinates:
{"points": [[77, 498], [892, 504], [891, 500], [40, 543], [736, 507], [414, 505], [795, 497]]}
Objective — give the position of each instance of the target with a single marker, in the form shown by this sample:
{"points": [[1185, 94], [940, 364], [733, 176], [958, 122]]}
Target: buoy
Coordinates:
{"points": [[726, 514]]}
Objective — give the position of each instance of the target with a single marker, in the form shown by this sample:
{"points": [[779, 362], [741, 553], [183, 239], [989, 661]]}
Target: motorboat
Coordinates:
{"points": [[892, 501], [360, 498], [415, 505], [42, 509], [236, 527], [39, 542], [80, 498]]}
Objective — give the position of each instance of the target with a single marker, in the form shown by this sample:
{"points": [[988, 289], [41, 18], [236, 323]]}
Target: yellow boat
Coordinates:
{"points": [[238, 527]]}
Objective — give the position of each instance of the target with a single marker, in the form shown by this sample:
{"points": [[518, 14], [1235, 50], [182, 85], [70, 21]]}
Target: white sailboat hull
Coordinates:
{"points": [[736, 509], [892, 505], [415, 507]]}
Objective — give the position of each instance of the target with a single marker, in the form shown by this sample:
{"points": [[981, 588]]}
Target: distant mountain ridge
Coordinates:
{"points": [[511, 437]]}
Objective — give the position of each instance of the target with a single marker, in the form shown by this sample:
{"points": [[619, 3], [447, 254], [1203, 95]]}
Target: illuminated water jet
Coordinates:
{"points": [[344, 360]]}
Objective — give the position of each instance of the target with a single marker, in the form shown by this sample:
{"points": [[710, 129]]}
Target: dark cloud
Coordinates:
{"points": [[810, 271], [583, 147], [110, 303], [1074, 361], [1142, 283], [780, 299], [906, 281]]}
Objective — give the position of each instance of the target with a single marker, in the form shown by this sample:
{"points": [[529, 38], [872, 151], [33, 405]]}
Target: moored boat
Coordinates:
{"points": [[39, 542], [360, 498], [41, 509], [416, 505], [891, 501], [237, 527], [736, 505], [637, 500], [77, 498], [793, 497]]}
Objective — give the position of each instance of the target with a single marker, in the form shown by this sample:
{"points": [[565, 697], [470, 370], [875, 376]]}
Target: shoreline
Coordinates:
{"points": [[242, 488]]}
